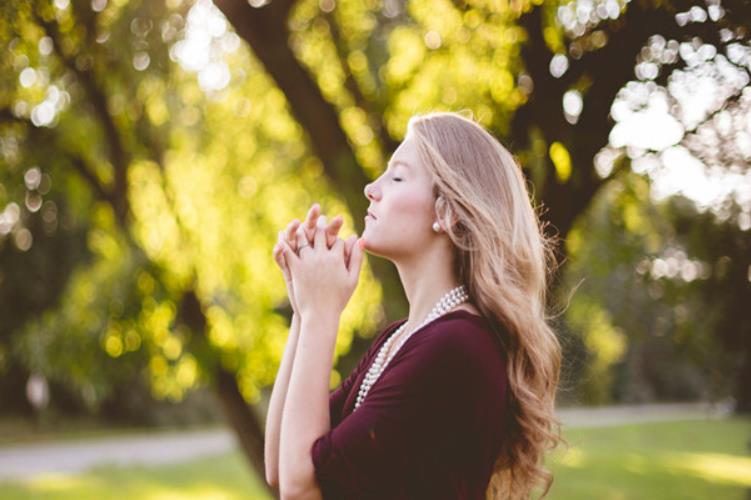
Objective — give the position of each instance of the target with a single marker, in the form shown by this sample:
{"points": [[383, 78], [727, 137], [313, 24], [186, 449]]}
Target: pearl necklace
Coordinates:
{"points": [[450, 300]]}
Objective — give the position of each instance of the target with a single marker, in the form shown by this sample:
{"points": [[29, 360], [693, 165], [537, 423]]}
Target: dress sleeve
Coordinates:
{"points": [[417, 396]]}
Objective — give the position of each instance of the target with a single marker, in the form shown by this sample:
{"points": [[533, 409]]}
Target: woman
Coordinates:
{"points": [[456, 400]]}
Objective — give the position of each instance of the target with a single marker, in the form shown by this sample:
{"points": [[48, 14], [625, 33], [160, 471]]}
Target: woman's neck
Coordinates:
{"points": [[424, 295], [426, 277]]}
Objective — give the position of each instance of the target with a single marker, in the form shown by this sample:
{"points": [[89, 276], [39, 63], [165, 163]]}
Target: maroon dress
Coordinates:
{"points": [[430, 427]]}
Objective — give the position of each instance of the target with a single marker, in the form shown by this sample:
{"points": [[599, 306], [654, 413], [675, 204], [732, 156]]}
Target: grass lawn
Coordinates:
{"points": [[222, 477], [691, 459], [667, 460]]}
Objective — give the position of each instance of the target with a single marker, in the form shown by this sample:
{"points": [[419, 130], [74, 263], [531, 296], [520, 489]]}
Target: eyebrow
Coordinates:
{"points": [[399, 162]]}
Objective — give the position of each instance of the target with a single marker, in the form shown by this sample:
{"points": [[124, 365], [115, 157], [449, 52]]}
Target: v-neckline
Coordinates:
{"points": [[358, 381], [404, 320], [455, 311]]}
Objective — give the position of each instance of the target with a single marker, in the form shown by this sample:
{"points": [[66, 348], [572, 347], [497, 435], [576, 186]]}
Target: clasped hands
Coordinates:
{"points": [[320, 269]]}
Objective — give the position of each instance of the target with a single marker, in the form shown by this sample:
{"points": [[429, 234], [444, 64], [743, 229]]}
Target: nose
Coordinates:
{"points": [[370, 191]]}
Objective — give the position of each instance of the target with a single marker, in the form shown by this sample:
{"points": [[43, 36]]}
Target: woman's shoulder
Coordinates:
{"points": [[458, 333], [456, 350], [461, 334], [461, 325]]}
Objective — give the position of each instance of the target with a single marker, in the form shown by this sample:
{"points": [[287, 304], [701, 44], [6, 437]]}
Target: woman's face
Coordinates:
{"points": [[403, 206]]}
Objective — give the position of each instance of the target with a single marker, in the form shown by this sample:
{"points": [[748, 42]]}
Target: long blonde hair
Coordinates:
{"points": [[505, 260]]}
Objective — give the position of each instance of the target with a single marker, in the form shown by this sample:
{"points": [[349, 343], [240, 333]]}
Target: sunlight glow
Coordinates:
{"points": [[713, 467], [206, 42], [647, 129]]}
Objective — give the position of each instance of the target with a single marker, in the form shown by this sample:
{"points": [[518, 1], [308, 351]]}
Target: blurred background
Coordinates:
{"points": [[151, 150]]}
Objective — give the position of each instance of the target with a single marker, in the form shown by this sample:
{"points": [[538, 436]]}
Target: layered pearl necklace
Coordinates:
{"points": [[450, 300]]}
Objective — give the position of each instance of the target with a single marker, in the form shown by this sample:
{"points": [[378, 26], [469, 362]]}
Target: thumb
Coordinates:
{"points": [[355, 259]]}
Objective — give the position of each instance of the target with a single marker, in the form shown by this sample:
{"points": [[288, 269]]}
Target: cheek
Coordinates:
{"points": [[412, 208]]}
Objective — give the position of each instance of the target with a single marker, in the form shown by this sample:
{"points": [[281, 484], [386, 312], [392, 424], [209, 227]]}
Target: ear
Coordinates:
{"points": [[443, 211]]}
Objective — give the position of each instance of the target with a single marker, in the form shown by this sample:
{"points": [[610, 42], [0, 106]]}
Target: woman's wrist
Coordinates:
{"points": [[328, 320]]}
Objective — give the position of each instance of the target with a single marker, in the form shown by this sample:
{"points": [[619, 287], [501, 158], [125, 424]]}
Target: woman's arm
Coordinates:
{"points": [[306, 409], [276, 405]]}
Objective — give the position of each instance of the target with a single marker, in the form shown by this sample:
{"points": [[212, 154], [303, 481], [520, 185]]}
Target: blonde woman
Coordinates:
{"points": [[456, 400]]}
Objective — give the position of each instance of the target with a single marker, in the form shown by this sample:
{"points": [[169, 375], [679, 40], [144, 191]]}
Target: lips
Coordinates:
{"points": [[371, 214]]}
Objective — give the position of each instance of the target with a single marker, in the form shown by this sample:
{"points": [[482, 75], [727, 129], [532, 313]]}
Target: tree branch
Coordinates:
{"points": [[81, 166], [118, 155], [7, 116], [268, 37], [387, 142]]}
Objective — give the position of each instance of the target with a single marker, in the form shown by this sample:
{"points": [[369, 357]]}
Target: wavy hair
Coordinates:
{"points": [[504, 258]]}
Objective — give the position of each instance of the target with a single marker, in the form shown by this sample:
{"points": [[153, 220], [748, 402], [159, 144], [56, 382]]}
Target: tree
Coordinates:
{"points": [[159, 200], [567, 53], [162, 168]]}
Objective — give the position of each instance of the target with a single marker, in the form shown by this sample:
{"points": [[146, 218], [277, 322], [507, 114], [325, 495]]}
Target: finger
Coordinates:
{"points": [[356, 260], [291, 227], [285, 267], [289, 233], [333, 229], [348, 248], [302, 240], [311, 220], [279, 255], [338, 249], [313, 212], [319, 238], [277, 251], [282, 263], [321, 225], [290, 257]]}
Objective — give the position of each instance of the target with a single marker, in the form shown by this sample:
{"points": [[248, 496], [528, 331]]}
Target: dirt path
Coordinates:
{"points": [[633, 414], [27, 461]]}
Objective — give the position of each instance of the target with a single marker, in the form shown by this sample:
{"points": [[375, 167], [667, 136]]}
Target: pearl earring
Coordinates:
{"points": [[436, 226]]}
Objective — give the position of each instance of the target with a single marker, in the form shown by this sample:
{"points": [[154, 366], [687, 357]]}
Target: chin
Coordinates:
{"points": [[370, 247], [373, 248], [366, 244]]}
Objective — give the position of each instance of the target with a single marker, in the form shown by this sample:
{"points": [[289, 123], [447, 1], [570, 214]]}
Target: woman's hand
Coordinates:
{"points": [[324, 278], [297, 231]]}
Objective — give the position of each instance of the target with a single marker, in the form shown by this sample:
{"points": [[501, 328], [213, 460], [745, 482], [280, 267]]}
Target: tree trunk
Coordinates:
{"points": [[241, 417], [243, 421], [265, 31]]}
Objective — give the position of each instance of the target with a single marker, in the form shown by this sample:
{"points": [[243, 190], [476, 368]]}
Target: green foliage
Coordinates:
{"points": [[605, 344], [180, 178], [647, 335], [209, 180]]}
